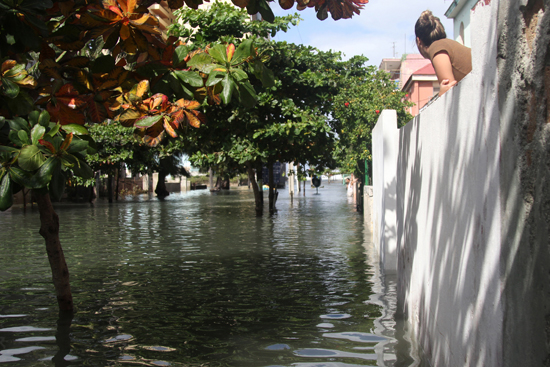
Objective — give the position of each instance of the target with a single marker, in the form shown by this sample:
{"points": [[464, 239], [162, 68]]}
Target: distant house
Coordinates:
{"points": [[414, 75], [459, 12], [420, 87], [164, 15]]}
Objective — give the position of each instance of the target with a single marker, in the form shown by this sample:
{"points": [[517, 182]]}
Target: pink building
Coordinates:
{"points": [[421, 86], [416, 76]]}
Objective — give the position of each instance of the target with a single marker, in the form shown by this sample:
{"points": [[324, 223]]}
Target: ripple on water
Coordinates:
{"points": [[326, 325], [16, 351], [23, 329], [336, 316], [157, 348], [278, 347], [118, 338], [36, 339], [9, 316], [331, 353], [356, 337]]}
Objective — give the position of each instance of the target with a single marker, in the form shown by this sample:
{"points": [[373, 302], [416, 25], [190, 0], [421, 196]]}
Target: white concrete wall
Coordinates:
{"points": [[436, 187], [385, 145]]}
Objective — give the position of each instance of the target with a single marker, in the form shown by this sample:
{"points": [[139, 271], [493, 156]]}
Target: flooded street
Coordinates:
{"points": [[198, 280]]}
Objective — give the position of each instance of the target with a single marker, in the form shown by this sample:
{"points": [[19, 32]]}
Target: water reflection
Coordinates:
{"points": [[196, 280]]}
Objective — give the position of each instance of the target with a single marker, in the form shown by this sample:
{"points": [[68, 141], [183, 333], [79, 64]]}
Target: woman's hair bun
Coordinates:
{"points": [[429, 28]]}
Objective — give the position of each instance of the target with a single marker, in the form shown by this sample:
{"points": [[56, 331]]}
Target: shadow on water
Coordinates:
{"points": [[198, 280]]}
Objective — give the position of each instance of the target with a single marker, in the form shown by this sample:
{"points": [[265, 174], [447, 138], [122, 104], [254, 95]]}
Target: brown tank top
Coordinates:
{"points": [[460, 55]]}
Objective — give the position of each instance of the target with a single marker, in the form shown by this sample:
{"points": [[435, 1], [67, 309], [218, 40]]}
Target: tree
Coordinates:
{"points": [[88, 61], [288, 122], [55, 78], [364, 94]]}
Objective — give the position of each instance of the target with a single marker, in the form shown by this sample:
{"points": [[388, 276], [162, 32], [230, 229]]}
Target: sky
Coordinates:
{"points": [[381, 25]]}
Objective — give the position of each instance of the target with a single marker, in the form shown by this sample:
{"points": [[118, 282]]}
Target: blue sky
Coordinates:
{"points": [[372, 33]]}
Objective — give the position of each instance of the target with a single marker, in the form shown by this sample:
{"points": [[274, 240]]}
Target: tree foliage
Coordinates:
{"points": [[357, 106]]}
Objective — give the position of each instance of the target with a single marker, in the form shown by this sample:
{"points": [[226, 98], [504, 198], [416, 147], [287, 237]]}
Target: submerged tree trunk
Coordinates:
{"points": [[161, 190], [272, 195], [222, 183], [49, 229], [259, 181], [226, 183], [117, 182], [110, 186], [258, 196]]}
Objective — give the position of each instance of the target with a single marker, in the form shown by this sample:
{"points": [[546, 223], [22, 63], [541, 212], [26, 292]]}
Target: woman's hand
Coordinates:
{"points": [[445, 85]]}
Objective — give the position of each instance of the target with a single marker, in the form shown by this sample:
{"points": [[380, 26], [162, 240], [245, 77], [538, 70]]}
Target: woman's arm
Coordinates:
{"points": [[444, 71]]}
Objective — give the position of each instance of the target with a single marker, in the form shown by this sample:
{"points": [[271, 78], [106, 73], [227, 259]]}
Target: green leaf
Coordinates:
{"points": [[200, 61], [92, 146], [190, 77], [37, 132], [30, 158], [53, 130], [239, 74], [9, 88], [33, 117], [253, 7], [79, 167], [215, 77], [228, 85], [21, 177], [247, 95], [147, 121], [57, 184], [245, 50], [218, 53], [6, 194], [14, 138], [23, 136], [44, 118], [2, 121], [77, 145], [264, 74], [18, 123], [4, 148], [265, 11], [180, 53], [17, 69], [75, 129], [44, 174]]}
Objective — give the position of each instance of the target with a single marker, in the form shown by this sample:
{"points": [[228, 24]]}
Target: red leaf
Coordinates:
{"points": [[47, 144]]}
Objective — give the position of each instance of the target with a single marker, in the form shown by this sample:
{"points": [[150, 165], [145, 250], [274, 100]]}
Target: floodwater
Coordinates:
{"points": [[198, 280]]}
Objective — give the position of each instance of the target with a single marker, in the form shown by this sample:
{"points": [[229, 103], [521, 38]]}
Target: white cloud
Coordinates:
{"points": [[372, 33]]}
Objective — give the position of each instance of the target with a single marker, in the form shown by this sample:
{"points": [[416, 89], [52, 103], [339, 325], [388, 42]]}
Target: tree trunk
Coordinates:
{"points": [[161, 190], [259, 181], [63, 338], [49, 229], [258, 196], [117, 182], [226, 183], [271, 188], [110, 186], [299, 185]]}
